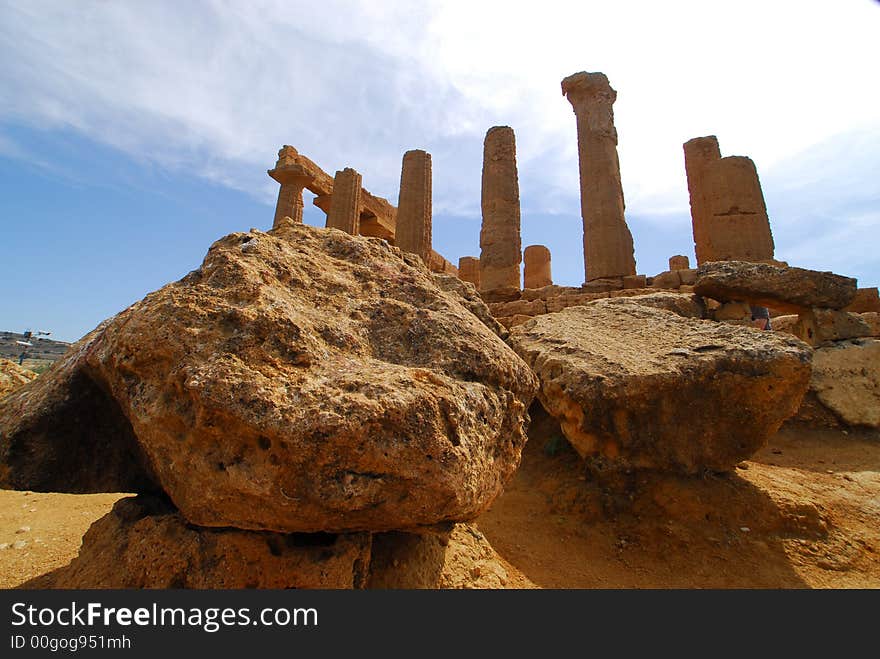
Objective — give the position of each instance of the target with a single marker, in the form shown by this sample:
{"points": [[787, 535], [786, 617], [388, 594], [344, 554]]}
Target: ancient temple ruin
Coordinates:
{"points": [[375, 216]]}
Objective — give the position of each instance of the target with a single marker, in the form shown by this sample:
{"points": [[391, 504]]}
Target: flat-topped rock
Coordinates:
{"points": [[637, 387], [300, 380], [782, 288]]}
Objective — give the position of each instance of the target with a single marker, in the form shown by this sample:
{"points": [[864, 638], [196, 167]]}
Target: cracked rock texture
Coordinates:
{"points": [[637, 387], [300, 380]]}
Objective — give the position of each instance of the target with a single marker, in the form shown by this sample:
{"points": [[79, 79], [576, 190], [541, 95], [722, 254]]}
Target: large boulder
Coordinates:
{"points": [[636, 387], [846, 380], [782, 288], [144, 543], [300, 380]]}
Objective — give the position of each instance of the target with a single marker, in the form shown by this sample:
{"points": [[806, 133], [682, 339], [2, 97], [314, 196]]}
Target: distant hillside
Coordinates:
{"points": [[42, 349]]}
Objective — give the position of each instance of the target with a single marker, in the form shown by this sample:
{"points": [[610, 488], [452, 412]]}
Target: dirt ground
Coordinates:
{"points": [[802, 514]]}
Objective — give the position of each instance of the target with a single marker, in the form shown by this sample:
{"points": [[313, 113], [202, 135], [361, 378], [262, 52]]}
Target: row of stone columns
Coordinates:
{"points": [[727, 206]]}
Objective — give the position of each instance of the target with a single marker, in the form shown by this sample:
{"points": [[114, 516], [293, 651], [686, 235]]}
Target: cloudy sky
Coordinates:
{"points": [[133, 134]]}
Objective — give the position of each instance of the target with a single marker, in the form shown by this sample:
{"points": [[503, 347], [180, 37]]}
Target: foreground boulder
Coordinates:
{"points": [[846, 380], [144, 543], [300, 380], [638, 387], [785, 289]]}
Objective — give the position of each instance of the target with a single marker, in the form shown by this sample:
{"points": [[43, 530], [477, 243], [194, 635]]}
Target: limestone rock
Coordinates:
{"points": [[865, 300], [460, 558], [144, 543], [784, 289], [681, 304], [64, 433], [733, 311], [846, 379], [639, 387], [301, 380], [13, 376], [820, 326], [667, 279]]}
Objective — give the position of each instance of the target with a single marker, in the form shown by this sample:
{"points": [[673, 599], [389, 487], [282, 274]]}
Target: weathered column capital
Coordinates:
{"points": [[591, 95], [291, 174]]}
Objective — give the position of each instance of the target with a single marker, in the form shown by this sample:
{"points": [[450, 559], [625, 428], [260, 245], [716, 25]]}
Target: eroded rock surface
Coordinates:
{"points": [[846, 379], [782, 288], [144, 543], [639, 387], [301, 380]]}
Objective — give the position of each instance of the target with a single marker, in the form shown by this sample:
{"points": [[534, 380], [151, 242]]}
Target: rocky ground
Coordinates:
{"points": [[801, 514]]}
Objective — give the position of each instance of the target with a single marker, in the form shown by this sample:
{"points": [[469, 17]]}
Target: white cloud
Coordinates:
{"points": [[213, 89]]}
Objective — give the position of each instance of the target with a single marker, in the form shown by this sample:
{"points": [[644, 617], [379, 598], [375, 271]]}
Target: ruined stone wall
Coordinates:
{"points": [[500, 245]]}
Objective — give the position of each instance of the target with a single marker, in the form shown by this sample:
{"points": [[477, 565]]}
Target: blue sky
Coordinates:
{"points": [[133, 134]]}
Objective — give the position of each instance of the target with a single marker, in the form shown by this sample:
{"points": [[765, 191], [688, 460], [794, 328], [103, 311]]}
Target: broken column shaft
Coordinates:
{"points": [[728, 212], [500, 245], [345, 203], [414, 205], [469, 270], [536, 273]]}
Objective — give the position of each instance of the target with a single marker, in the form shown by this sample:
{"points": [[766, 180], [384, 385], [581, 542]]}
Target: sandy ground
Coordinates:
{"points": [[803, 513]]}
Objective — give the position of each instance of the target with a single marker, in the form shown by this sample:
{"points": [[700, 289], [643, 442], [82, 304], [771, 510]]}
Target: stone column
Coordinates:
{"points": [[699, 153], [738, 228], [500, 245], [537, 270], [679, 262], [345, 203], [469, 270], [413, 233], [293, 178], [608, 244], [727, 205]]}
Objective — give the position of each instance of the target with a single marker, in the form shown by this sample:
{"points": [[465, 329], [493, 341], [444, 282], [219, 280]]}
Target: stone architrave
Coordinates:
{"points": [[608, 243], [293, 178], [414, 204], [346, 201], [469, 270], [729, 215], [537, 272], [679, 262], [500, 244]]}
